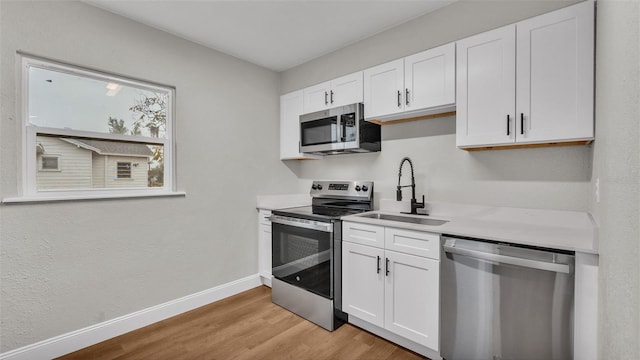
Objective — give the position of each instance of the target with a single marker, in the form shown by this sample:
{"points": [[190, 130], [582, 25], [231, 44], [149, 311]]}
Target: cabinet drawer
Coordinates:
{"points": [[263, 216], [413, 242], [364, 234]]}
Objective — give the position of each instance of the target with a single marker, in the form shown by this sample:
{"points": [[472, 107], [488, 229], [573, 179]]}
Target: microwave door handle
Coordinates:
{"points": [[339, 128]]}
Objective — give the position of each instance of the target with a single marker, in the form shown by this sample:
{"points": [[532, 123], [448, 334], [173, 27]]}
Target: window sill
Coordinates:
{"points": [[85, 197]]}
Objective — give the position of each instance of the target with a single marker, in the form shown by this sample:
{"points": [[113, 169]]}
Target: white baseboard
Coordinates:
{"points": [[79, 339]]}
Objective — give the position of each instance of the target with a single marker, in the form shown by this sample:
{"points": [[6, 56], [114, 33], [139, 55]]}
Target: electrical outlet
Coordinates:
{"points": [[597, 190]]}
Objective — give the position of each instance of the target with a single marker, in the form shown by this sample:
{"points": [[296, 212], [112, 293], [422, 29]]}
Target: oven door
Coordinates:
{"points": [[320, 132], [302, 254]]}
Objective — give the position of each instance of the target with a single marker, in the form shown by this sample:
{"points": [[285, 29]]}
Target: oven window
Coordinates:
{"points": [[303, 258], [316, 132]]}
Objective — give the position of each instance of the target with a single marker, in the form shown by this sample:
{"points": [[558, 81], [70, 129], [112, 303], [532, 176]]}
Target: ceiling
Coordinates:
{"points": [[275, 34]]}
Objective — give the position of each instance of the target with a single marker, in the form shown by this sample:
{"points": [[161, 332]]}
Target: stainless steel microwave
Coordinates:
{"points": [[338, 130]]}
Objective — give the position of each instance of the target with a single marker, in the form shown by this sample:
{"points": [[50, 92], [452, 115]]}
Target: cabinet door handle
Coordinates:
{"points": [[406, 96], [325, 98], [378, 264], [508, 125], [386, 267], [521, 123], [399, 101], [331, 97]]}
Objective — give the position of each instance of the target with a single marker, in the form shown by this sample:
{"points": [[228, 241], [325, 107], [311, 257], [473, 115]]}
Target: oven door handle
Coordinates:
{"points": [[302, 223]]}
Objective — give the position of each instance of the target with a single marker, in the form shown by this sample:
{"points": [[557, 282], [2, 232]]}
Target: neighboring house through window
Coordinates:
{"points": [[107, 128]]}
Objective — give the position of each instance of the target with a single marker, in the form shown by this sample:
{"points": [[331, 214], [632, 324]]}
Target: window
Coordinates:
{"points": [[106, 127], [50, 163], [124, 170]]}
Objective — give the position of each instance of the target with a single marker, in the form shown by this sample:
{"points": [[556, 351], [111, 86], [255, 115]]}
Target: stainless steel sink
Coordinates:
{"points": [[406, 219]]}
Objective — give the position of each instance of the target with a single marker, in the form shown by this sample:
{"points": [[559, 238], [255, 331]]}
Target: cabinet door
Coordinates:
{"points": [[555, 57], [430, 78], [346, 90], [384, 89], [290, 111], [485, 88], [363, 282], [316, 97], [412, 295]]}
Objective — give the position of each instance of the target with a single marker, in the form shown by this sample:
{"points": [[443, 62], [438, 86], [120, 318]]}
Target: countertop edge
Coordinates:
{"points": [[577, 239]]}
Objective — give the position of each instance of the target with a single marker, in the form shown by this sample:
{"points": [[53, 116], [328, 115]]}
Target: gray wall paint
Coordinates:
{"points": [[553, 178], [65, 266], [617, 166]]}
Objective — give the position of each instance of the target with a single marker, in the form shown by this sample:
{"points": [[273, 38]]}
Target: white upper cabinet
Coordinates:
{"points": [[430, 78], [420, 84], [290, 111], [383, 89], [555, 67], [538, 91], [342, 91], [486, 85]]}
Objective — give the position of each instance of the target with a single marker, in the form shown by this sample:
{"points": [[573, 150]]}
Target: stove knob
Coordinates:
{"points": [[364, 188], [319, 187], [314, 187], [357, 187]]}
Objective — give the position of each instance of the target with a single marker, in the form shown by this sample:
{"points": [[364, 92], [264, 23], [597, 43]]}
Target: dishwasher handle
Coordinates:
{"points": [[529, 263]]}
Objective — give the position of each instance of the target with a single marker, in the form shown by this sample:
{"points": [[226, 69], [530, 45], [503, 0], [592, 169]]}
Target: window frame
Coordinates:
{"points": [[29, 191]]}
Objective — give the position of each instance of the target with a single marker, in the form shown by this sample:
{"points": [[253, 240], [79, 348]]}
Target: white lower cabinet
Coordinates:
{"points": [[396, 291], [363, 282], [264, 246], [411, 297]]}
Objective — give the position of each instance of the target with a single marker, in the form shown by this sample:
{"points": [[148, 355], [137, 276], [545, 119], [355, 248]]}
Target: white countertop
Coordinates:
{"points": [[273, 202], [556, 229]]}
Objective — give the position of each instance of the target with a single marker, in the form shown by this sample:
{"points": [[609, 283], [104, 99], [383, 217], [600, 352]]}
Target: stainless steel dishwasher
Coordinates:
{"points": [[502, 301]]}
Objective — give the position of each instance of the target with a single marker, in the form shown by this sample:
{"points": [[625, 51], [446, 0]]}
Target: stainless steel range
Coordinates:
{"points": [[307, 248]]}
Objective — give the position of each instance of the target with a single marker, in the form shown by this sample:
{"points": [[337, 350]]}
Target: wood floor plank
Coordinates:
{"points": [[242, 327]]}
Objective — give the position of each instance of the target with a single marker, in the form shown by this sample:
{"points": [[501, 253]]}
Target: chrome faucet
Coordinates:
{"points": [[415, 205]]}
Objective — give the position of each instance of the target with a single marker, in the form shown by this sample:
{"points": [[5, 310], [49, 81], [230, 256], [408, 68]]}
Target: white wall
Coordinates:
{"points": [[65, 266], [617, 167]]}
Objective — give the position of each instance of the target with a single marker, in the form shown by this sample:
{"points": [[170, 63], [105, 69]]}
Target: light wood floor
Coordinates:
{"points": [[244, 326]]}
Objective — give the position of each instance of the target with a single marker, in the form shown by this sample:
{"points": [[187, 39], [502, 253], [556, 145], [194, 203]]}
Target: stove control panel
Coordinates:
{"points": [[361, 189]]}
